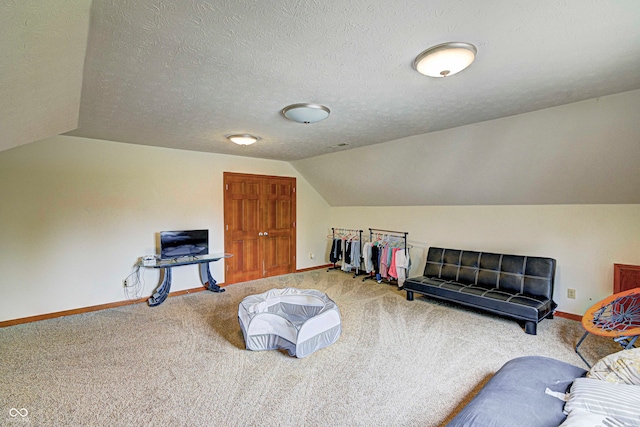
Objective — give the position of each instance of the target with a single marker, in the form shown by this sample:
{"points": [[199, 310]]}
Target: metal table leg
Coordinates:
{"points": [[207, 280], [162, 292]]}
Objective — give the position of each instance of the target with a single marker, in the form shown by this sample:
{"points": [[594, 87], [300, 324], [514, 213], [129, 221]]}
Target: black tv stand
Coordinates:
{"points": [[162, 291]]}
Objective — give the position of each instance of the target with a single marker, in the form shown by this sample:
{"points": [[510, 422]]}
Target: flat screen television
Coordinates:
{"points": [[174, 244]]}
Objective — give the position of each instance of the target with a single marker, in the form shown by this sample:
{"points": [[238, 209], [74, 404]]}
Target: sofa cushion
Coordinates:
{"points": [[521, 306], [511, 273]]}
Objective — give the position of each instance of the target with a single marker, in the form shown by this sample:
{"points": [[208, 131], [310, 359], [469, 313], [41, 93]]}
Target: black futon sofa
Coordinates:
{"points": [[515, 286]]}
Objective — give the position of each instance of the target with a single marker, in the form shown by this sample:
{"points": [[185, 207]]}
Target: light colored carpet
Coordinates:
{"points": [[183, 363]]}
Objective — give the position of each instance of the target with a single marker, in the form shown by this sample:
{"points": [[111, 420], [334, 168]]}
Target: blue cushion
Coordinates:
{"points": [[515, 395]]}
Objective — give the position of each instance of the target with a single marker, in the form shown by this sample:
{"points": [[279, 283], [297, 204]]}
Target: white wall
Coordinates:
{"points": [[586, 240], [76, 213]]}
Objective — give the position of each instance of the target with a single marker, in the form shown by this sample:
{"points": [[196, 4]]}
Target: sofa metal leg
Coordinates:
{"points": [[531, 328], [409, 295]]}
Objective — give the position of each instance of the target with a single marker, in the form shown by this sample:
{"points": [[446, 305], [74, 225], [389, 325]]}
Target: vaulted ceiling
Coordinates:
{"points": [[42, 53], [184, 74]]}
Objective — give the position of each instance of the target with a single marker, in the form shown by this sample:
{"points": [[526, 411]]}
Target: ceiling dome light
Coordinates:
{"points": [[445, 59], [306, 113], [242, 138]]}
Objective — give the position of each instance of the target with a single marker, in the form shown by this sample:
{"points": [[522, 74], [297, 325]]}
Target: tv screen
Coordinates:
{"points": [[175, 244]]}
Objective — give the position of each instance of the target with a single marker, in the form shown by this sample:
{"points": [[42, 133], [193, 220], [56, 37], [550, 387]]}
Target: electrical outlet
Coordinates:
{"points": [[125, 283], [571, 293]]}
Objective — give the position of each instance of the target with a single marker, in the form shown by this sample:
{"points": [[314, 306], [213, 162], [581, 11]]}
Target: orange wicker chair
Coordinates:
{"points": [[617, 316]]}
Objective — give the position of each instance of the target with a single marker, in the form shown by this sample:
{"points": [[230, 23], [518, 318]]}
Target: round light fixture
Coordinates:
{"points": [[306, 113], [445, 59], [242, 138]]}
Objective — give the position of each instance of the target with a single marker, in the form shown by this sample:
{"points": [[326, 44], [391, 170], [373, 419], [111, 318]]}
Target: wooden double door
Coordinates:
{"points": [[260, 226]]}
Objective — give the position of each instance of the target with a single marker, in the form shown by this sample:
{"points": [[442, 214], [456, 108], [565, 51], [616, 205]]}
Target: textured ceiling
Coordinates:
{"points": [[42, 51], [184, 74]]}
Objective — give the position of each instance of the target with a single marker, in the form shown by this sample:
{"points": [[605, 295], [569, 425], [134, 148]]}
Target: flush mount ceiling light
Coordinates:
{"points": [[306, 113], [242, 138], [445, 59]]}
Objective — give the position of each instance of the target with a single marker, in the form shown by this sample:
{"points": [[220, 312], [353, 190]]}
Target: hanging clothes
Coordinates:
{"points": [[347, 251], [403, 264], [355, 255], [384, 262], [346, 263], [366, 255], [393, 271], [336, 251], [375, 258]]}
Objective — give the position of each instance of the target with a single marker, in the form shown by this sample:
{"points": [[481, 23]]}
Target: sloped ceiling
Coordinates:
{"points": [[42, 51], [581, 153]]}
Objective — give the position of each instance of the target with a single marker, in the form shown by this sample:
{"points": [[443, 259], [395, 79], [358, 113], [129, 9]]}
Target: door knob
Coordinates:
{"points": [[266, 234], [260, 233]]}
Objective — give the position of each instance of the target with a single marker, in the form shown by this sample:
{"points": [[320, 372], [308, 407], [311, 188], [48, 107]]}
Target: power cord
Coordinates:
{"points": [[134, 283]]}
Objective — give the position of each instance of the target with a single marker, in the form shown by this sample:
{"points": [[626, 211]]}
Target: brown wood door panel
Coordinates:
{"points": [[278, 257], [242, 226], [279, 222], [259, 214], [245, 263]]}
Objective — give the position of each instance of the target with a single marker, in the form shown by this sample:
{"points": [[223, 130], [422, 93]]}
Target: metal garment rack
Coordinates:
{"points": [[347, 231], [401, 235]]}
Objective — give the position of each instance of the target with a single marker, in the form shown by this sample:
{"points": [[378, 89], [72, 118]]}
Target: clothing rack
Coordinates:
{"points": [[339, 233], [385, 235]]}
